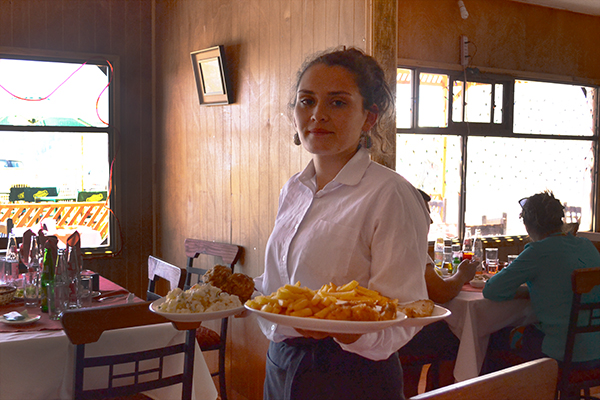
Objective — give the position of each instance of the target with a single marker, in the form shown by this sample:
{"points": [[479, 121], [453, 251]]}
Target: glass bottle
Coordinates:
{"points": [[47, 279], [456, 258], [478, 251], [73, 277], [35, 255], [438, 252], [447, 269]]}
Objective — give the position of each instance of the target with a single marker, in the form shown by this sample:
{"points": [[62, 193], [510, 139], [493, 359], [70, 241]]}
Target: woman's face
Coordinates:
{"points": [[329, 114]]}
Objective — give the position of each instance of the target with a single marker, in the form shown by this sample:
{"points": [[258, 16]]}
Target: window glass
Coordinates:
{"points": [[498, 102], [499, 168], [479, 102], [553, 109], [55, 135], [432, 163], [433, 100], [457, 101], [53, 94], [404, 103], [501, 171]]}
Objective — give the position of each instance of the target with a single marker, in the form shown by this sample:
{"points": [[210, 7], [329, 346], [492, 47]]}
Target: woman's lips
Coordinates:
{"points": [[319, 131]]}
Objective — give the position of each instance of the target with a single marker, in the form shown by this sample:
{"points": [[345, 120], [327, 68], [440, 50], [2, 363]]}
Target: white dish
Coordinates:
{"points": [[438, 314], [328, 325], [193, 317], [29, 320], [477, 283]]}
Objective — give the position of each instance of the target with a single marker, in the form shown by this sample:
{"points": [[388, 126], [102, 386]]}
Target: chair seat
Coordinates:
{"points": [[207, 338], [582, 375]]}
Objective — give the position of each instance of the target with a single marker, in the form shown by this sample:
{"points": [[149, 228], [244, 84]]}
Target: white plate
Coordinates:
{"points": [[328, 325], [438, 314], [193, 317], [477, 283], [25, 321]]}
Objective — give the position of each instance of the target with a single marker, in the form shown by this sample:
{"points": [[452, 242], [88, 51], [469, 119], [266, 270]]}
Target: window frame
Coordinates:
{"points": [[464, 129], [111, 130]]}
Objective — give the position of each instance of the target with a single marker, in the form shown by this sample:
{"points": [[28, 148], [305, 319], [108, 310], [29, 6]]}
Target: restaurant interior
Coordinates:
{"points": [[214, 172]]}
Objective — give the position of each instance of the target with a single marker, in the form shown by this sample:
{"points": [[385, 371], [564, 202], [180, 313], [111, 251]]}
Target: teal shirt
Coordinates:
{"points": [[546, 267]]}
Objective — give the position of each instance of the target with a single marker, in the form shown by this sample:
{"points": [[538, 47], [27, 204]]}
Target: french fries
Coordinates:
{"points": [[347, 302]]}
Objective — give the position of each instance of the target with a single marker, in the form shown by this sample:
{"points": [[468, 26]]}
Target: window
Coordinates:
{"points": [[56, 130], [477, 143]]}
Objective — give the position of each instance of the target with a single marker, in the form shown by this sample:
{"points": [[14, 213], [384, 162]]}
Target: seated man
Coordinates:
{"points": [[435, 342]]}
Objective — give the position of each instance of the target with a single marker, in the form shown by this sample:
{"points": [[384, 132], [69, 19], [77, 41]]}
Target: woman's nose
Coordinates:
{"points": [[319, 113]]}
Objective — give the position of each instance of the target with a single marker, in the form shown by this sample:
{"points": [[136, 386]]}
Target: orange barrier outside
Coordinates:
{"points": [[67, 215]]}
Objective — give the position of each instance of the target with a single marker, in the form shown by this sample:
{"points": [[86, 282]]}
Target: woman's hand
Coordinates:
{"points": [[345, 338]]}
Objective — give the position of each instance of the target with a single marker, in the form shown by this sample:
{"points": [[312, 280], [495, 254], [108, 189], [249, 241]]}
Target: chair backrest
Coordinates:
{"points": [[86, 325], [230, 253], [158, 269], [584, 318], [533, 380]]}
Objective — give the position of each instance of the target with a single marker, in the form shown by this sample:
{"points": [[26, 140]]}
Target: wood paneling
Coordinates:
{"points": [[505, 35], [220, 169], [121, 28]]}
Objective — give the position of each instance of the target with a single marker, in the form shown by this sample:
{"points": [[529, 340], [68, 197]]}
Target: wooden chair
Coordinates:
{"points": [[573, 379], [208, 339], [86, 325], [534, 380], [159, 269]]}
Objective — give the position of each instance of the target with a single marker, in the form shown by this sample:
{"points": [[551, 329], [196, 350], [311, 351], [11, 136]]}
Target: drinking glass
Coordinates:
{"points": [[30, 283], [491, 260], [85, 291], [511, 258], [58, 299]]}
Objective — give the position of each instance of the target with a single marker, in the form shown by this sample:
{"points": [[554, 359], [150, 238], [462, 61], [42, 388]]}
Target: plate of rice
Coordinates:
{"points": [[201, 302]]}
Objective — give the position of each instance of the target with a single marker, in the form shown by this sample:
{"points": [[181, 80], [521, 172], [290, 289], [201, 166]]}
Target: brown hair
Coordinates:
{"points": [[369, 77]]}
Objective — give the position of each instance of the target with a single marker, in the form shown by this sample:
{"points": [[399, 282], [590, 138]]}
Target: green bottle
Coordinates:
{"points": [[46, 278]]}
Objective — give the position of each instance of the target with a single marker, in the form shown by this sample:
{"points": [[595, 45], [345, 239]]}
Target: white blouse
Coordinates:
{"points": [[368, 224]]}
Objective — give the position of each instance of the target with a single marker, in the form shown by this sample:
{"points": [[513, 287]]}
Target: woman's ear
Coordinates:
{"points": [[371, 120]]}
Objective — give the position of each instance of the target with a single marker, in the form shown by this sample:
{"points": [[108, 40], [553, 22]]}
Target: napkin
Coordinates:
{"points": [[16, 316], [25, 247]]}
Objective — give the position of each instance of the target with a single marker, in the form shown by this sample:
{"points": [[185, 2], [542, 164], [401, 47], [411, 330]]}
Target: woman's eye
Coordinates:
{"points": [[338, 103], [306, 102]]}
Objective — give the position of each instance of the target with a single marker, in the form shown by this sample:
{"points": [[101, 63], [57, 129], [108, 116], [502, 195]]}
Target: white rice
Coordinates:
{"points": [[199, 298]]}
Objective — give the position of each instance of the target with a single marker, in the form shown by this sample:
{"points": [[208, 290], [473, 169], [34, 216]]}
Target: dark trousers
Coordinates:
{"points": [[307, 369]]}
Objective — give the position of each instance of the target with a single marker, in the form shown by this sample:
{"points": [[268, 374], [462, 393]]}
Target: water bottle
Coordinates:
{"points": [[478, 251], [438, 252]]}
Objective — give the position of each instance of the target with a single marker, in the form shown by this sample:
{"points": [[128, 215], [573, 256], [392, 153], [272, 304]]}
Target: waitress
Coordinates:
{"points": [[343, 218]]}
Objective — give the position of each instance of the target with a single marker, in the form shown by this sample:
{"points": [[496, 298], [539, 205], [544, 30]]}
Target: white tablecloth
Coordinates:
{"points": [[39, 365], [473, 319]]}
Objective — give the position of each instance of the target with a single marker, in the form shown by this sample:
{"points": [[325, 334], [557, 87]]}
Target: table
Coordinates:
{"points": [[39, 364], [474, 319]]}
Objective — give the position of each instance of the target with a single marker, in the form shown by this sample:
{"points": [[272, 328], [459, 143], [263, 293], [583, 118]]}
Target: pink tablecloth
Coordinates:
{"points": [[45, 323]]}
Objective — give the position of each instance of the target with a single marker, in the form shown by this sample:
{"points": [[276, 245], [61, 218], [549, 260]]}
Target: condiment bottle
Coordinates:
{"points": [[46, 279]]}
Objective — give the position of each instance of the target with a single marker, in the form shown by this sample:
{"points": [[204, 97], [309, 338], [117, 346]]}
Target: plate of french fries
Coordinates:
{"points": [[348, 308]]}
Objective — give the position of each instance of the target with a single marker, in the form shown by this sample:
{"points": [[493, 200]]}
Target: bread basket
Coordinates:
{"points": [[7, 294]]}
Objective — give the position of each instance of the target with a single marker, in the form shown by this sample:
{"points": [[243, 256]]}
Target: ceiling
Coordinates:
{"points": [[591, 7]]}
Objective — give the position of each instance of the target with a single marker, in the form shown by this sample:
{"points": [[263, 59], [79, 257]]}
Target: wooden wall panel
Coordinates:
{"points": [[220, 169], [506, 35], [105, 27]]}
